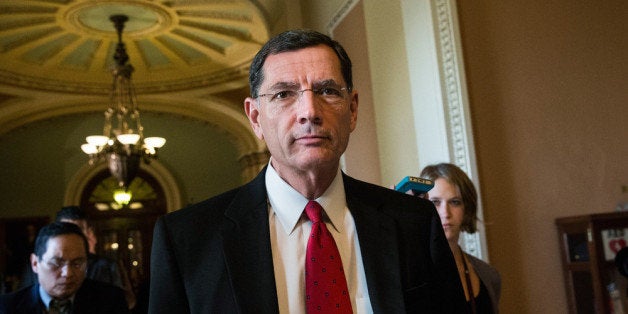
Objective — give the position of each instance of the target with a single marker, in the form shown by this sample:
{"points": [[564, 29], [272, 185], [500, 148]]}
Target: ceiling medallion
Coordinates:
{"points": [[175, 45], [146, 18]]}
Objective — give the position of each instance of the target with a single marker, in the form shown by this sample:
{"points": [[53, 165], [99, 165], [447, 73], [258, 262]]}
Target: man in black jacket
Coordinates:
{"points": [[244, 251], [99, 268], [60, 260]]}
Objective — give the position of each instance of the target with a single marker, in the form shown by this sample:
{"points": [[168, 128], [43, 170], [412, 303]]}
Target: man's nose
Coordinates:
{"points": [[308, 106], [65, 270]]}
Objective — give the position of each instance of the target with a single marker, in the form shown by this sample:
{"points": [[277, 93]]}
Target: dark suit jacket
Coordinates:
{"points": [[215, 256], [103, 269], [93, 297]]}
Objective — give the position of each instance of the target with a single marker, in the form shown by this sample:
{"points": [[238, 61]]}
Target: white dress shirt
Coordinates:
{"points": [[289, 233]]}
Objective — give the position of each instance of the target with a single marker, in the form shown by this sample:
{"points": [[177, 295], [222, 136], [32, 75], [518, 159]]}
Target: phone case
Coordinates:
{"points": [[416, 184]]}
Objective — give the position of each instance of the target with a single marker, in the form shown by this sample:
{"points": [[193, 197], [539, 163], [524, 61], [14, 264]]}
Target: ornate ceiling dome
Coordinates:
{"points": [[68, 46]]}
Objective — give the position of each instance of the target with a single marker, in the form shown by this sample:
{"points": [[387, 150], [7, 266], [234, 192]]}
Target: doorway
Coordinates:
{"points": [[123, 226]]}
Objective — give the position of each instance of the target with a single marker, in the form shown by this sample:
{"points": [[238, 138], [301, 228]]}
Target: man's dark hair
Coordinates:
{"points": [[56, 229], [72, 213], [295, 40]]}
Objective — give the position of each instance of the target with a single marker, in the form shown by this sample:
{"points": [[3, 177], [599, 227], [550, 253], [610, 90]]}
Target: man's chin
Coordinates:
{"points": [[313, 160], [318, 162], [321, 155], [65, 291]]}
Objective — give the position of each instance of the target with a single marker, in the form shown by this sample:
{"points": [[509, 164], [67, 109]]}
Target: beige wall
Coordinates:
{"points": [[548, 85], [361, 159], [548, 93], [391, 90]]}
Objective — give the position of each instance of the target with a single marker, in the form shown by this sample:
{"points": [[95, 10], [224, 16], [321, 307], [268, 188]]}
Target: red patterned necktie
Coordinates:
{"points": [[325, 284]]}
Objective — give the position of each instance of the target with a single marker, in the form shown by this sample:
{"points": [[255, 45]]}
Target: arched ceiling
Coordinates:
{"points": [[68, 45], [56, 57]]}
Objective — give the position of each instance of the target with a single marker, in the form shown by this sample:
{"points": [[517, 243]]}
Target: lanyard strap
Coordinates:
{"points": [[467, 277]]}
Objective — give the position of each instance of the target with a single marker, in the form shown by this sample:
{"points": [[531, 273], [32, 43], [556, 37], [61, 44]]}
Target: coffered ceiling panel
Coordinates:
{"points": [[68, 46]]}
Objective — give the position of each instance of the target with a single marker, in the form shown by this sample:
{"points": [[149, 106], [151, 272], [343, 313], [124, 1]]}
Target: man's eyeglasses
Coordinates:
{"points": [[56, 265], [328, 95]]}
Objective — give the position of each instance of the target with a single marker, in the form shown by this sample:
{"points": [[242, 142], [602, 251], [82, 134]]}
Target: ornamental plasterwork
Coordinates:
{"points": [[453, 98], [68, 46]]}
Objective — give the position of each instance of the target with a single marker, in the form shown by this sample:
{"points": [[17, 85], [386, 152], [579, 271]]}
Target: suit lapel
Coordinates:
{"points": [[34, 304], [247, 249], [248, 254], [378, 246], [82, 301]]}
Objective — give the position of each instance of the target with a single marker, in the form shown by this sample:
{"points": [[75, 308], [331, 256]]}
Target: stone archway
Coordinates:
{"points": [[155, 169]]}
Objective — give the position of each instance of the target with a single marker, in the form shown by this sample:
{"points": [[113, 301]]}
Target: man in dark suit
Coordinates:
{"points": [[245, 251], [99, 268], [60, 260]]}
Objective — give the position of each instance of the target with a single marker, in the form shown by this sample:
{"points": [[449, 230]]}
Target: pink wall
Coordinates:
{"points": [[361, 155], [548, 88]]}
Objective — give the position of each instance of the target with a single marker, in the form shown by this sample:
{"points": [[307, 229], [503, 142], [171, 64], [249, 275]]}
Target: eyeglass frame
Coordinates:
{"points": [[317, 92], [53, 264]]}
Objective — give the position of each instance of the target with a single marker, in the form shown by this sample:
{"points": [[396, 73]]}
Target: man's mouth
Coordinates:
{"points": [[311, 139]]}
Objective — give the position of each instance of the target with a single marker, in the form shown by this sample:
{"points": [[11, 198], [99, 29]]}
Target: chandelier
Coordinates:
{"points": [[122, 144]]}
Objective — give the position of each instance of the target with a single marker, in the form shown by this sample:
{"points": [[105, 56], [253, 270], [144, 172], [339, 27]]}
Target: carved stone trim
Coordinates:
{"points": [[454, 99], [451, 82], [340, 15], [226, 76], [471, 244], [161, 174]]}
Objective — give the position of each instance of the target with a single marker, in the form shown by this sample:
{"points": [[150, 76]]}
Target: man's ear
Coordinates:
{"points": [[353, 107], [252, 112], [34, 262]]}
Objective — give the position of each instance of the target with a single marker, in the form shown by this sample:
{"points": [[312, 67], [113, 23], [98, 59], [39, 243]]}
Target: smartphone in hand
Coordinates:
{"points": [[417, 185]]}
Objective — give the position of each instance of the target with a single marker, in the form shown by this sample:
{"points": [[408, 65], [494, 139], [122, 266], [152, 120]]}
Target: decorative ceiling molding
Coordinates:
{"points": [[17, 112], [25, 80], [188, 55], [68, 46]]}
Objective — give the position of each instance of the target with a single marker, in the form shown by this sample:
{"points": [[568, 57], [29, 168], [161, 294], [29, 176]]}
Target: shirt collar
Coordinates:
{"points": [[46, 298], [288, 204]]}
